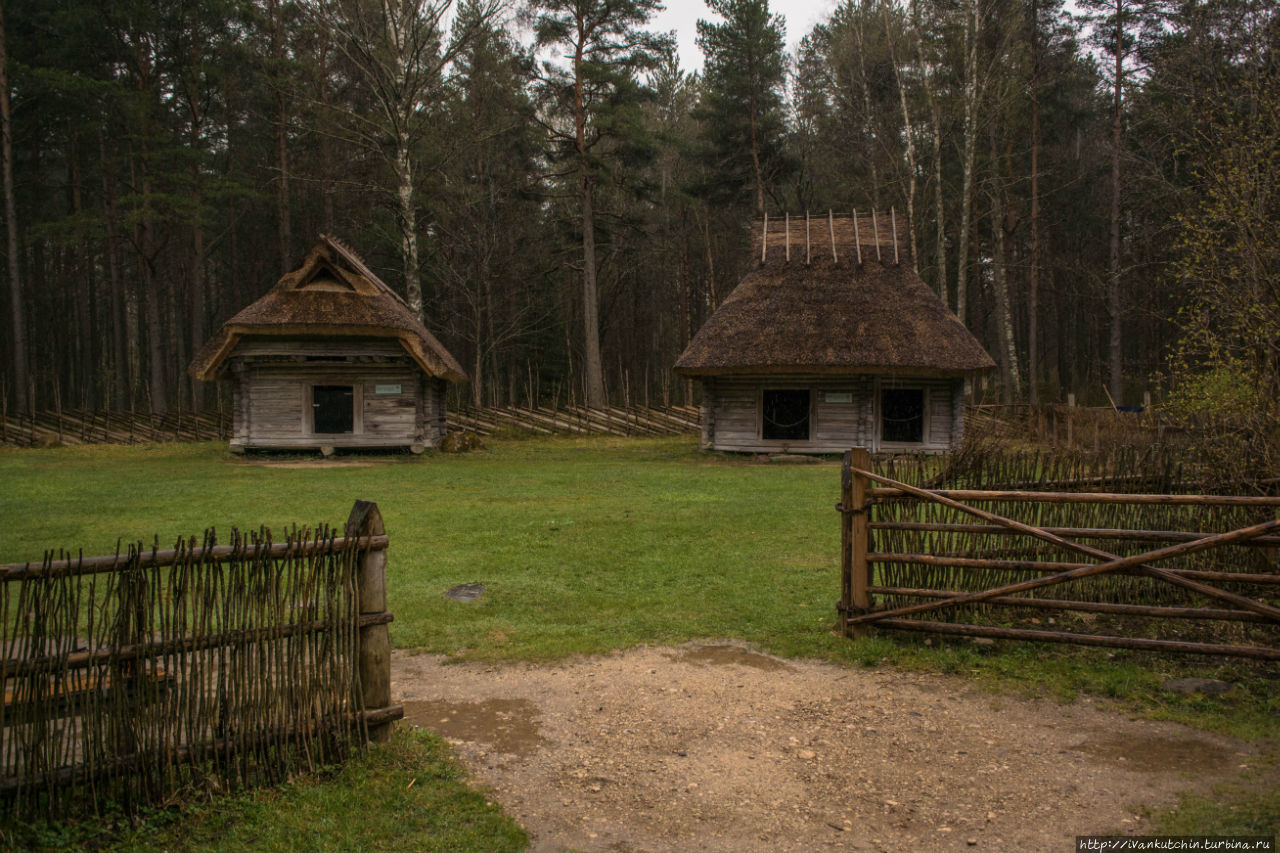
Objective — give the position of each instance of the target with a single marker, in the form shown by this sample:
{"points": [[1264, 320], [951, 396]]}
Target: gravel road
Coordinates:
{"points": [[714, 747]]}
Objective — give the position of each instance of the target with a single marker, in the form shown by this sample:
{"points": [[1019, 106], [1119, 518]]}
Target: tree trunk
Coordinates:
{"points": [[408, 225], [145, 242], [931, 96], [1113, 277], [196, 297], [120, 372], [592, 368], [755, 156], [939, 200], [865, 85], [284, 225], [1008, 355], [909, 138], [1033, 283], [20, 377], [87, 366], [973, 32], [196, 307], [324, 121]]}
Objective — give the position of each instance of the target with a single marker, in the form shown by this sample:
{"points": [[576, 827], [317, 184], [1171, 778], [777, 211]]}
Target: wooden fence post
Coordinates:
{"points": [[371, 597], [854, 540]]}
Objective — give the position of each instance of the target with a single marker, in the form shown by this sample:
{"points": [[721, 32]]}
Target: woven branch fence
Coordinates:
{"points": [[132, 677], [1116, 551]]}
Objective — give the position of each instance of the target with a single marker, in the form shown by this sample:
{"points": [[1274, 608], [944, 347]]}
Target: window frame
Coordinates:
{"points": [[810, 416], [357, 406], [881, 388]]}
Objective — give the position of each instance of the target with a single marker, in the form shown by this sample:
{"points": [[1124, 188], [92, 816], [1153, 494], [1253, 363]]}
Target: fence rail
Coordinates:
{"points": [[77, 426], [73, 427], [131, 676], [579, 420], [931, 558]]}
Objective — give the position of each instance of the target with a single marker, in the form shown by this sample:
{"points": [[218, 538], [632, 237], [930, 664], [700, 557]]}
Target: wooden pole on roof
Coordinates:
{"points": [[831, 229], [875, 228], [764, 237], [857, 241], [893, 218], [787, 223], [808, 257]]}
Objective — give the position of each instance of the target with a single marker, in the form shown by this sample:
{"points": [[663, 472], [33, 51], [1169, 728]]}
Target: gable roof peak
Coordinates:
{"points": [[332, 294]]}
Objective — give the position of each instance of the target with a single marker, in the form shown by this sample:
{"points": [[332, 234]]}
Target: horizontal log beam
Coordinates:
{"points": [[1086, 606], [1046, 567], [1081, 532], [1078, 497], [1255, 652], [52, 664], [167, 557]]}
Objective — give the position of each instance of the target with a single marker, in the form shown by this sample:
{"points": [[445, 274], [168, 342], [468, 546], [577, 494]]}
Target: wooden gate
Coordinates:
{"points": [[954, 568]]}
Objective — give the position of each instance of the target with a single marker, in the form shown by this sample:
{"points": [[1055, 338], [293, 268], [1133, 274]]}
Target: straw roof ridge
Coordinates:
{"points": [[833, 314], [858, 236], [348, 302]]}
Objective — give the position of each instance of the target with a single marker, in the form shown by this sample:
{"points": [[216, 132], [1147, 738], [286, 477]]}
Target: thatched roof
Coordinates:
{"points": [[833, 314], [332, 294]]}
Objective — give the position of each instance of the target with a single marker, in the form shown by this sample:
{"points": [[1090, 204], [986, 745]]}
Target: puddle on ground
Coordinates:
{"points": [[465, 591], [723, 655], [507, 725], [1153, 753]]}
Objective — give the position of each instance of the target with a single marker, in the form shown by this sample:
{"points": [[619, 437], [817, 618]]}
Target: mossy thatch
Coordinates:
{"points": [[332, 294], [808, 305]]}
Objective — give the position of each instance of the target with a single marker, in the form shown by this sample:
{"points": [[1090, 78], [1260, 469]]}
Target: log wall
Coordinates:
{"points": [[732, 413], [273, 381]]}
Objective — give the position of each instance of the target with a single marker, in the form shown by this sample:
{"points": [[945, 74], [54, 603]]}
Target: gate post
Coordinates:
{"points": [[371, 599], [854, 539]]}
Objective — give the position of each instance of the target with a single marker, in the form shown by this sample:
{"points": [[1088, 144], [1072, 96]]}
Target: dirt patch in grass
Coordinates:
{"points": [[712, 746]]}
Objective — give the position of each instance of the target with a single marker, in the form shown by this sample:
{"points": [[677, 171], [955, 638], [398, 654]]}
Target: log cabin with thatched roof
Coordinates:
{"points": [[832, 341], [331, 357]]}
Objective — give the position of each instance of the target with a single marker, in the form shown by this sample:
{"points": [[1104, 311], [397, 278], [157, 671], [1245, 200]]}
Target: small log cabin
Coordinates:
{"points": [[331, 357], [832, 341]]}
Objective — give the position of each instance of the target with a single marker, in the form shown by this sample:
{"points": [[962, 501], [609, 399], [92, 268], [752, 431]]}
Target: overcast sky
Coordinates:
{"points": [[682, 16]]}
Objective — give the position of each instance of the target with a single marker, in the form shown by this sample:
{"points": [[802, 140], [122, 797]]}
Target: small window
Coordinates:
{"points": [[786, 415], [333, 409], [902, 415]]}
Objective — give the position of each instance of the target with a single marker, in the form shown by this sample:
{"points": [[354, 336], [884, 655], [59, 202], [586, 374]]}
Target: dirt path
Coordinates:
{"points": [[713, 747]]}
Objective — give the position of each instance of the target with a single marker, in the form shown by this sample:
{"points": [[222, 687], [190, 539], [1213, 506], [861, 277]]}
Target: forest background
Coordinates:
{"points": [[1095, 191]]}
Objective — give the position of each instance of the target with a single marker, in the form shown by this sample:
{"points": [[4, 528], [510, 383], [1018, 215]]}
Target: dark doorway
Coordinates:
{"points": [[333, 408], [786, 415], [902, 415]]}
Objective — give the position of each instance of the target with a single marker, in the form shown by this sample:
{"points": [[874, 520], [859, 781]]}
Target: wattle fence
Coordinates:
{"points": [[133, 676]]}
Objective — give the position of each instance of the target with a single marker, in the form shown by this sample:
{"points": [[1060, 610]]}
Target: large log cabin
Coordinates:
{"points": [[832, 341], [331, 357]]}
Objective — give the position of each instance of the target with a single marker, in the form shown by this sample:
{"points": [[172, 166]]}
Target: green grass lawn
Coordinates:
{"points": [[583, 545]]}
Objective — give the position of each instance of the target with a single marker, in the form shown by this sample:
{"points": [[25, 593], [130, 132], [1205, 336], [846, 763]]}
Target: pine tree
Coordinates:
{"points": [[596, 96], [1119, 24], [742, 102]]}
